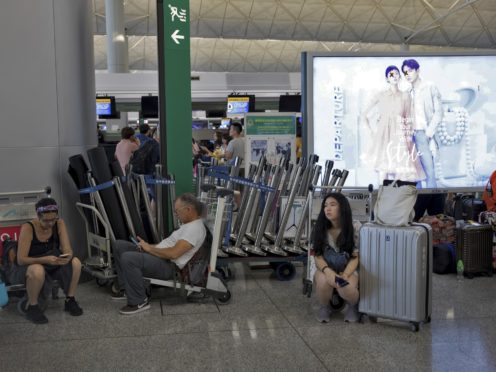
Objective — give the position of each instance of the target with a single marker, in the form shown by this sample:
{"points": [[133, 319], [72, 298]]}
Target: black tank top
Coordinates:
{"points": [[39, 248]]}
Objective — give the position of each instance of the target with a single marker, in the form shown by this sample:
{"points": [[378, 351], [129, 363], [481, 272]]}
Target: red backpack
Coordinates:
{"points": [[489, 194]]}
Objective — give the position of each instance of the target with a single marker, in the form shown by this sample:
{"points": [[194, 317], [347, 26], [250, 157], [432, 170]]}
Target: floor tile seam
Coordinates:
{"points": [[13, 323], [59, 340], [295, 330], [434, 320], [465, 318]]}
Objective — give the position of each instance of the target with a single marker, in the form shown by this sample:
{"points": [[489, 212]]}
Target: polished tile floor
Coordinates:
{"points": [[268, 326]]}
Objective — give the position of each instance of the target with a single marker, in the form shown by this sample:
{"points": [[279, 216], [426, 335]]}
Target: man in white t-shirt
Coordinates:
{"points": [[427, 114], [158, 261]]}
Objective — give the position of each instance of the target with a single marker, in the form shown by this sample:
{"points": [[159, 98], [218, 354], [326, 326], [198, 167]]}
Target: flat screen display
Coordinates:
{"points": [[198, 124], [289, 103], [105, 107], [225, 123], [149, 107], [238, 105], [430, 119]]}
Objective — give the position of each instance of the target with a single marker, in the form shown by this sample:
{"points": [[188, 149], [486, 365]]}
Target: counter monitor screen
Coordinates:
{"points": [[240, 104], [289, 103], [149, 107], [105, 107], [225, 123]]}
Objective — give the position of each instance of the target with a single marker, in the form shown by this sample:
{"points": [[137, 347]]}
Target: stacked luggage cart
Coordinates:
{"points": [[116, 207], [270, 223]]}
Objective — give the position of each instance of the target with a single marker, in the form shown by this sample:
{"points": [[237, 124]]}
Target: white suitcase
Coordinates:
{"points": [[396, 272]]}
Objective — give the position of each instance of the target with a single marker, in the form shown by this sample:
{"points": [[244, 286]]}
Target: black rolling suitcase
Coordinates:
{"points": [[474, 246]]}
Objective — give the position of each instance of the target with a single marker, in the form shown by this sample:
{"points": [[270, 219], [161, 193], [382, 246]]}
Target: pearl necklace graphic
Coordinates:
{"points": [[461, 116], [462, 128]]}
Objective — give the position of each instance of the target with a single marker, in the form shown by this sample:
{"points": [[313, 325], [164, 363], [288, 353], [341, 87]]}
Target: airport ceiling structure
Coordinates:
{"points": [[269, 35]]}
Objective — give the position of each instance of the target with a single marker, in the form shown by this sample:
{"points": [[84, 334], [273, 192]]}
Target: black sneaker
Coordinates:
{"points": [[121, 295], [72, 307], [134, 309], [34, 314]]}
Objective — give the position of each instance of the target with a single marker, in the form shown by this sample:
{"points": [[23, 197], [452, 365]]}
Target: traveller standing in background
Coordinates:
{"points": [[125, 148], [144, 134], [236, 148], [220, 146]]}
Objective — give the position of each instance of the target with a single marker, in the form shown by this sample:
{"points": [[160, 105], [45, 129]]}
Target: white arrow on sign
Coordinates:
{"points": [[176, 37]]}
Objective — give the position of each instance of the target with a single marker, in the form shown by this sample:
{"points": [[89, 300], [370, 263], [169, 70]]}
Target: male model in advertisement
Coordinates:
{"points": [[427, 113]]}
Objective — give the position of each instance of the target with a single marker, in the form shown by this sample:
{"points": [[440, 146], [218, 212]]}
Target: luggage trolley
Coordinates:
{"points": [[361, 199], [17, 208], [99, 233], [245, 238], [209, 197]]}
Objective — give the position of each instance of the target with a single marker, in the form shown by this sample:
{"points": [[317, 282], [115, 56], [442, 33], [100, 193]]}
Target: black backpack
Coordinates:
{"points": [[8, 258], [141, 158], [444, 257]]}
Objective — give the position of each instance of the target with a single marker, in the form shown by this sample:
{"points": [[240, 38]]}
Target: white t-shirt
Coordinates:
{"points": [[193, 232], [356, 237]]}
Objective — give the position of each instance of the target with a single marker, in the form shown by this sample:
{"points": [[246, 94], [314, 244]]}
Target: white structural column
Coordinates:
{"points": [[117, 49], [47, 99]]}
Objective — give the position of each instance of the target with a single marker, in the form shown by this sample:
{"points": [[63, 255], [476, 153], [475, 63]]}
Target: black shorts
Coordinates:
{"points": [[63, 274]]}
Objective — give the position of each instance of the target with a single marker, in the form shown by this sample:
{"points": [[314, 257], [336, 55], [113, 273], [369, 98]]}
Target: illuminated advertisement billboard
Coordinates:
{"points": [[424, 118]]}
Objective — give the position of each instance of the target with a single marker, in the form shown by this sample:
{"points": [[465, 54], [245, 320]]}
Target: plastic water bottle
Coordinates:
{"points": [[459, 270]]}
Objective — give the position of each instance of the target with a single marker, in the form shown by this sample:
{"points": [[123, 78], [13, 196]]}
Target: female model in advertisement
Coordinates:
{"points": [[392, 152]]}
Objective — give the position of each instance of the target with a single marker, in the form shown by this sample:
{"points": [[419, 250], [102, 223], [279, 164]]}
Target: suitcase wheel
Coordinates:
{"points": [[115, 287], [224, 298], [373, 319], [414, 327], [102, 282], [285, 271]]}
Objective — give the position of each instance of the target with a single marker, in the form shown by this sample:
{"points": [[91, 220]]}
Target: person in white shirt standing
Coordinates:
{"points": [[133, 262], [427, 112]]}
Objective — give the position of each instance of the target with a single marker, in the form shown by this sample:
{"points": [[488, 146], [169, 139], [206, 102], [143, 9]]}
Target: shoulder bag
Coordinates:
{"points": [[394, 205]]}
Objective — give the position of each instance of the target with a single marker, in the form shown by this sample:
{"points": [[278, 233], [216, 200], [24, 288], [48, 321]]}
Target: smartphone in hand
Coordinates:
{"points": [[64, 255], [341, 282], [133, 239]]}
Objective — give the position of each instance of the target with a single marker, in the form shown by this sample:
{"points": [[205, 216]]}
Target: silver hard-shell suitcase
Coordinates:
{"points": [[396, 272]]}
